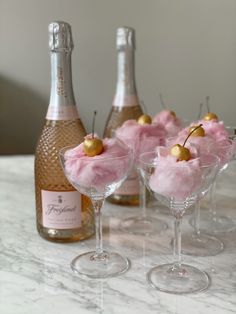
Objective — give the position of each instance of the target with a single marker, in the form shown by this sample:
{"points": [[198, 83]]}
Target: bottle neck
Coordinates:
{"points": [[126, 93], [62, 101]]}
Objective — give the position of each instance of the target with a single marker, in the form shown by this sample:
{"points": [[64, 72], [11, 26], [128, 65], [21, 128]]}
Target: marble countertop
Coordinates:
{"points": [[35, 275]]}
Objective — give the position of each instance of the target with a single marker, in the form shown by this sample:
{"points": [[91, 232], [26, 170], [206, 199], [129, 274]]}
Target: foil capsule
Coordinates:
{"points": [[60, 37], [125, 37]]}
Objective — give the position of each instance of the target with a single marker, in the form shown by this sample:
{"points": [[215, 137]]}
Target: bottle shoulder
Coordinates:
{"points": [[118, 115], [54, 136], [58, 134]]}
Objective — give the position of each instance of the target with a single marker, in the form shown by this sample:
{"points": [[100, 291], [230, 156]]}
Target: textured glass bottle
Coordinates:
{"points": [[63, 214], [125, 106]]}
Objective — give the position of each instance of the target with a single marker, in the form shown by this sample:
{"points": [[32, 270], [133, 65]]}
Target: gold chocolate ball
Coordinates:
{"points": [[210, 116], [198, 132], [144, 119], [93, 146], [180, 152]]}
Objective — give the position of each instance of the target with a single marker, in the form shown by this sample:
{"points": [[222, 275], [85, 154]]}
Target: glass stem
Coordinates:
{"points": [[142, 197], [196, 219], [212, 201], [177, 241], [97, 205], [101, 297]]}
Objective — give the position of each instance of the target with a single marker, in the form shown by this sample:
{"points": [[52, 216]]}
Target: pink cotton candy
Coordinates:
{"points": [[99, 171], [222, 146], [141, 138], [197, 145], [176, 179], [168, 121], [215, 129], [215, 141]]}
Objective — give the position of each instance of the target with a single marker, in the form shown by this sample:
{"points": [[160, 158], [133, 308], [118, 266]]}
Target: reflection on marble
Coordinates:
{"points": [[36, 276]]}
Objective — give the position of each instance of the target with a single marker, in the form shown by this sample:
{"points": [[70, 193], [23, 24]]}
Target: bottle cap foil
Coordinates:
{"points": [[125, 37], [60, 37]]}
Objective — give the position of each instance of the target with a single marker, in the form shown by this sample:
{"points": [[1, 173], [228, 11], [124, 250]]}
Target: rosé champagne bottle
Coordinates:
{"points": [[63, 214], [125, 106]]}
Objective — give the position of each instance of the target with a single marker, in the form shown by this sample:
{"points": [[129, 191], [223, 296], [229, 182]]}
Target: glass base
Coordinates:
{"points": [[143, 225], [201, 245], [178, 280], [215, 224], [102, 265]]}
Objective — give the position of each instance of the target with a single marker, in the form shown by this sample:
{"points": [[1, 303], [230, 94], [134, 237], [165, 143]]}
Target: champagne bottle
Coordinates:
{"points": [[125, 106], [63, 214]]}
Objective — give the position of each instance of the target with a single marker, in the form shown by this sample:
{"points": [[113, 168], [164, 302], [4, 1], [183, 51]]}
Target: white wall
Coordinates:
{"points": [[186, 49]]}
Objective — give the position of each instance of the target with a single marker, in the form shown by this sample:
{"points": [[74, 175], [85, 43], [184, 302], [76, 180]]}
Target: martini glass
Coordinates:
{"points": [[143, 224], [97, 177], [176, 277], [211, 222]]}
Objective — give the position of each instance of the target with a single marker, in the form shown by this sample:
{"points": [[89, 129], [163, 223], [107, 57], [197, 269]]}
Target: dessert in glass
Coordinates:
{"points": [[169, 121], [198, 243], [96, 168], [223, 145], [142, 136], [179, 180]]}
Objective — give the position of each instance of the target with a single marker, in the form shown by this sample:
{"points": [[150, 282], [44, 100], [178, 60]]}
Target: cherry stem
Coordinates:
{"points": [[200, 111], [207, 103], [94, 116], [144, 107], [162, 102], [191, 133]]}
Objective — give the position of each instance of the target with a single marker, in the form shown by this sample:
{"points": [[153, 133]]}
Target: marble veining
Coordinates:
{"points": [[35, 276]]}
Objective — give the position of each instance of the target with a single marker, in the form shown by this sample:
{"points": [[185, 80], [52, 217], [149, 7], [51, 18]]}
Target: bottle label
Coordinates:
{"points": [[62, 113], [61, 210], [130, 186], [125, 101]]}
